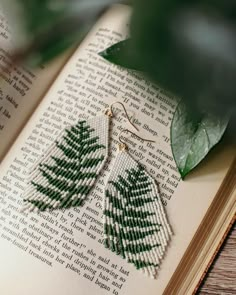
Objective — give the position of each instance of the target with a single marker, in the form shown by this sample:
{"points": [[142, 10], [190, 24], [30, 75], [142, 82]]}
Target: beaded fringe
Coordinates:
{"points": [[135, 224], [66, 173]]}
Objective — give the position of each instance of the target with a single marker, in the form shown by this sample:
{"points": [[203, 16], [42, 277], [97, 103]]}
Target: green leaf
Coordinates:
{"points": [[121, 54], [193, 138]]}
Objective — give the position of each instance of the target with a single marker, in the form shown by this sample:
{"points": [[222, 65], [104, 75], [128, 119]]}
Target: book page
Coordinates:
{"points": [[21, 88], [62, 251]]}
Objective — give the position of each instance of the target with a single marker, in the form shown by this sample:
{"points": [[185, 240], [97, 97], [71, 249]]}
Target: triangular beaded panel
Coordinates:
{"points": [[135, 224], [66, 173]]}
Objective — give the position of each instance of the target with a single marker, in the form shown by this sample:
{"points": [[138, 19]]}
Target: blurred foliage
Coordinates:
{"points": [[187, 47], [52, 26]]}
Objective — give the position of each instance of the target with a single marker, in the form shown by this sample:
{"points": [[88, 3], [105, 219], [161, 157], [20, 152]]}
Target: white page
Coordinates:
{"points": [[86, 86]]}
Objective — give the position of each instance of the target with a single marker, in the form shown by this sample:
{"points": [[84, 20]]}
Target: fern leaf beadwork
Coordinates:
{"points": [[135, 225], [64, 176]]}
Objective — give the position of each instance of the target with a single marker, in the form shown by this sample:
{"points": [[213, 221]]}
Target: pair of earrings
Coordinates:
{"points": [[135, 224]]}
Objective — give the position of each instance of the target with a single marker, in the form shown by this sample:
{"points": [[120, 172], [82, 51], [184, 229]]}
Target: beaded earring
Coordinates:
{"points": [[66, 173], [135, 224]]}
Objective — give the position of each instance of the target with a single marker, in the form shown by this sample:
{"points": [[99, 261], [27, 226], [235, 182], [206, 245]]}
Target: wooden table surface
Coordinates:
{"points": [[221, 278]]}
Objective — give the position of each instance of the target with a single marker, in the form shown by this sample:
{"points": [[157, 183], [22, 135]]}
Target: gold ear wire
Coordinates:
{"points": [[110, 112], [123, 146]]}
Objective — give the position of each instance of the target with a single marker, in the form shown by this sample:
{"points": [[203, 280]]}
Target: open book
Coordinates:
{"points": [[61, 252]]}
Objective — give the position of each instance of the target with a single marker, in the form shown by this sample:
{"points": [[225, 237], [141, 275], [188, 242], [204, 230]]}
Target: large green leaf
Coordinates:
{"points": [[193, 137]]}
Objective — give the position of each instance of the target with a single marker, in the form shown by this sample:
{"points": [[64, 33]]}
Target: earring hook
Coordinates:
{"points": [[123, 146], [110, 112]]}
